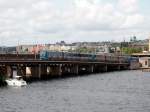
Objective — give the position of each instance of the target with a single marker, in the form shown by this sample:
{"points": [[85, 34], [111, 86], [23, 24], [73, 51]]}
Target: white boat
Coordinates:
{"points": [[16, 81]]}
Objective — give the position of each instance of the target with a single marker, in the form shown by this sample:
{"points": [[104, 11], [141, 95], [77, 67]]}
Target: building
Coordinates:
{"points": [[144, 62], [23, 49], [144, 58]]}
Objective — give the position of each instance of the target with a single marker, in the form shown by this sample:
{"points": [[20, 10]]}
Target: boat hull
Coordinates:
{"points": [[14, 82]]}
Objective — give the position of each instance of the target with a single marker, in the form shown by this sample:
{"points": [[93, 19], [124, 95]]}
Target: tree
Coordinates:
{"points": [[128, 50]]}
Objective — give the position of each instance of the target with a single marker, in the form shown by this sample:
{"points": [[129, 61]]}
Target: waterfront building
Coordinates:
{"points": [[144, 58], [145, 62]]}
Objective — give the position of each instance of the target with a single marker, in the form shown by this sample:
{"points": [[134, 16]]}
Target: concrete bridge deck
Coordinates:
{"points": [[55, 62]]}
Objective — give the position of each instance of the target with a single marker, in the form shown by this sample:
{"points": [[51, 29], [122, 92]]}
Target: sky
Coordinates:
{"points": [[50, 21]]}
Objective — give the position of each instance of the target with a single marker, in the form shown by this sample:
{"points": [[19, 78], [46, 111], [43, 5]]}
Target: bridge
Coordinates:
{"points": [[31, 67]]}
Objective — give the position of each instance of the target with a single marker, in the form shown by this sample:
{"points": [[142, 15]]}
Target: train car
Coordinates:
{"points": [[44, 55], [83, 57], [100, 58], [50, 55], [113, 59], [87, 57], [76, 56], [123, 59], [54, 55], [108, 58], [67, 56], [93, 57]]}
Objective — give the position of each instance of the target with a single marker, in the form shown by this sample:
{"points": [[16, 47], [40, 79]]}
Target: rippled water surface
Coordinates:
{"points": [[127, 91]]}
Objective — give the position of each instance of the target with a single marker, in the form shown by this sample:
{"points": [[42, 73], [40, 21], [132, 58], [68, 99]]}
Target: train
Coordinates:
{"points": [[69, 56]]}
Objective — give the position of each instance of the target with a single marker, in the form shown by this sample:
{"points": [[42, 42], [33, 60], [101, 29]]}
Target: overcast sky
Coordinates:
{"points": [[49, 21]]}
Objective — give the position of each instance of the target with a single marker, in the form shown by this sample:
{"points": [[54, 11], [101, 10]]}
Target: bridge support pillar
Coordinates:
{"points": [[90, 69], [9, 71], [43, 71], [102, 68], [105, 69], [39, 71], [60, 70], [56, 70], [28, 71], [49, 71], [73, 70], [118, 68], [76, 70], [36, 72]]}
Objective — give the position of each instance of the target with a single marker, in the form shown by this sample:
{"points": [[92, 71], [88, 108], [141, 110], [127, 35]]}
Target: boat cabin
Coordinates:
{"points": [[18, 77]]}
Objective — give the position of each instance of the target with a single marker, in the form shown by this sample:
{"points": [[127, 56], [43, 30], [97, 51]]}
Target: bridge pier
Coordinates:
{"points": [[105, 68], [56, 70], [35, 72], [60, 70], [48, 71], [96, 68], [70, 69], [76, 69], [39, 71], [9, 71], [43, 71], [100, 68], [118, 68], [90, 69], [28, 71], [67, 70]]}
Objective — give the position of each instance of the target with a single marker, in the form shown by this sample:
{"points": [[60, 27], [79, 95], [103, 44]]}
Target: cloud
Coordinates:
{"points": [[91, 15], [128, 6], [43, 20]]}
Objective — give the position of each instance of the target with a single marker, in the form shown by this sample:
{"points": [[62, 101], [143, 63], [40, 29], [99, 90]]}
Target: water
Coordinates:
{"points": [[127, 91]]}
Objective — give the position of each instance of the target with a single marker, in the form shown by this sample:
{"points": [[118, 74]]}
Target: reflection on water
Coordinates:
{"points": [[127, 91]]}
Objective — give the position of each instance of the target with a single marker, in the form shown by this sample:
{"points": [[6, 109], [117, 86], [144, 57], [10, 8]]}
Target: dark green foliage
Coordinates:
{"points": [[128, 50], [86, 50]]}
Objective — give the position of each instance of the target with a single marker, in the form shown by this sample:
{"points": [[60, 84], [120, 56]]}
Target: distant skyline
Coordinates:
{"points": [[50, 21]]}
